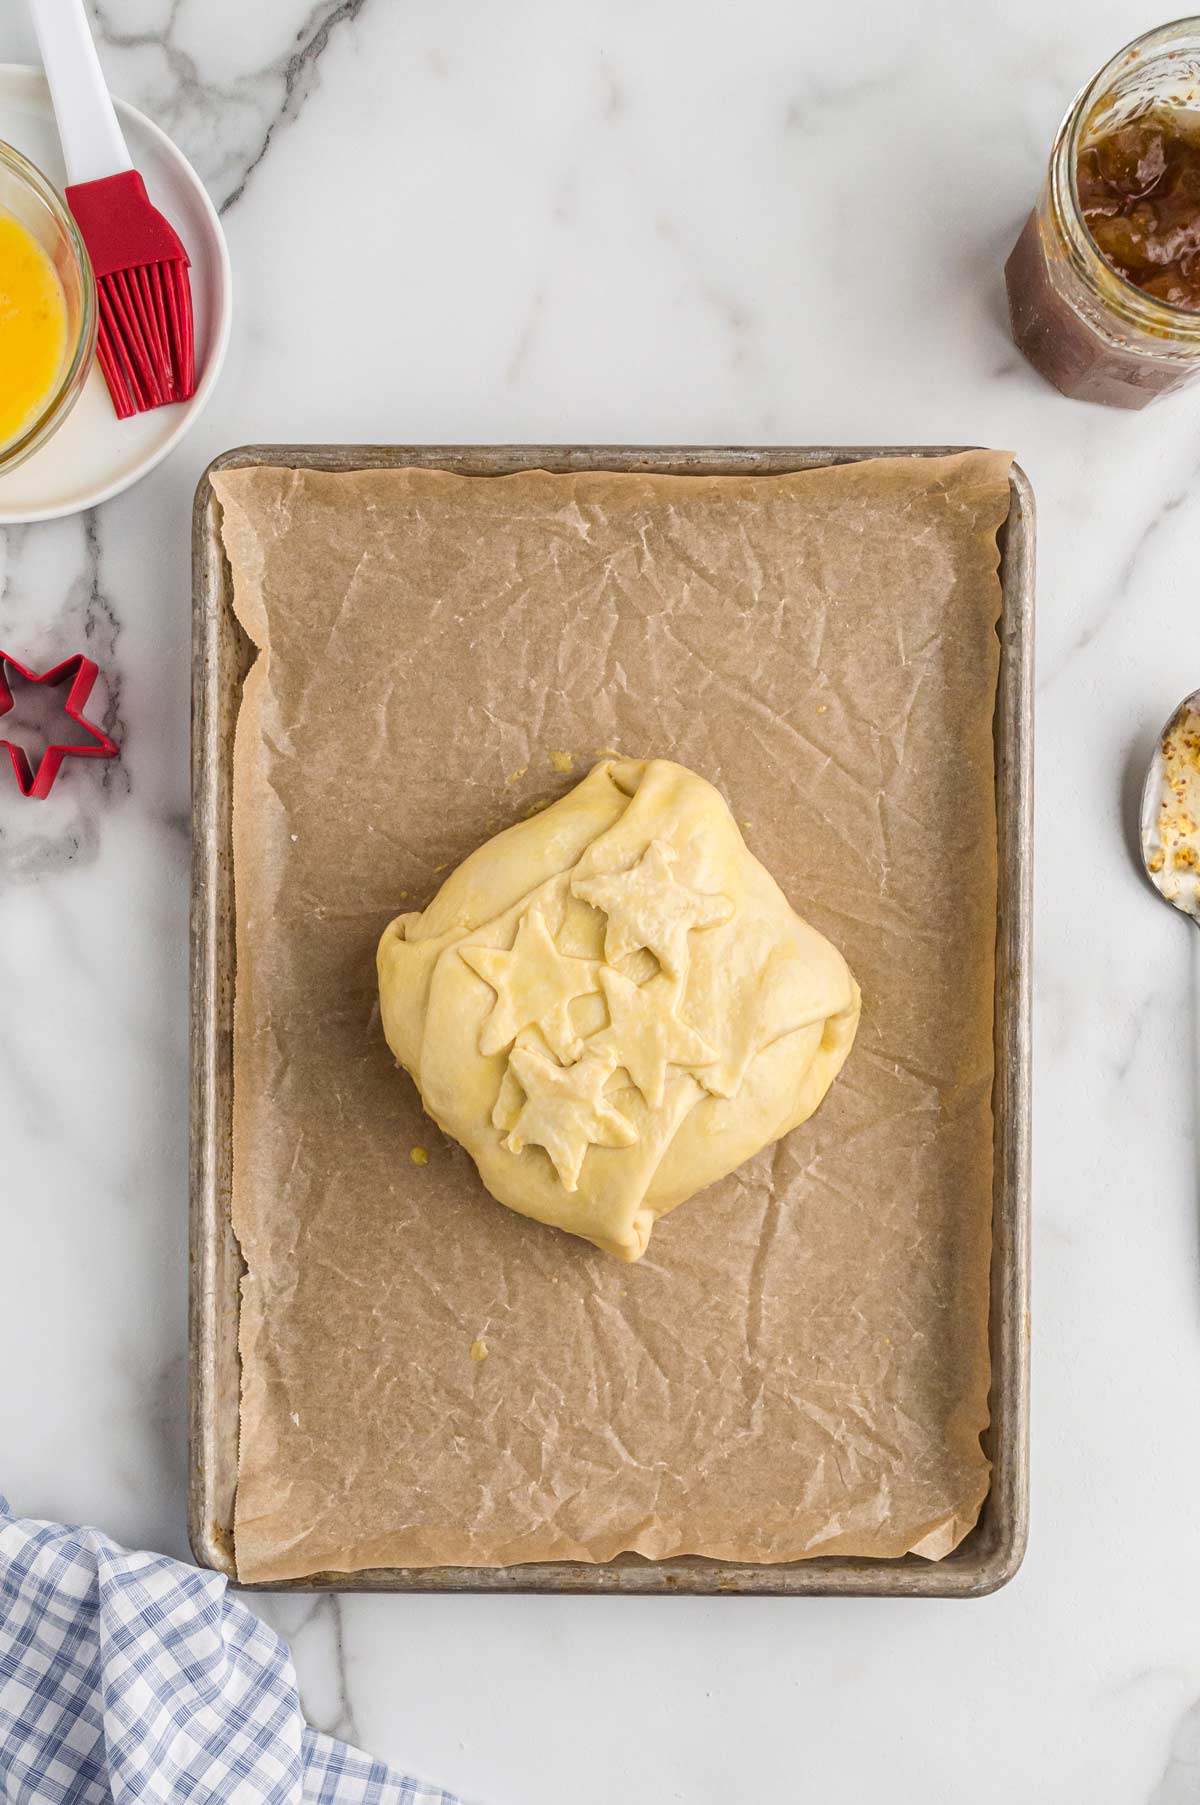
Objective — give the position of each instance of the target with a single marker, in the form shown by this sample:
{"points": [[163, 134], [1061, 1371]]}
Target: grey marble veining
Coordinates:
{"points": [[649, 221], [315, 1631], [1180, 1784], [1170, 524], [226, 121]]}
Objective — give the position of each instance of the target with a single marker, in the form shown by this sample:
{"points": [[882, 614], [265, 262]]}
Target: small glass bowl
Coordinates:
{"points": [[30, 198]]}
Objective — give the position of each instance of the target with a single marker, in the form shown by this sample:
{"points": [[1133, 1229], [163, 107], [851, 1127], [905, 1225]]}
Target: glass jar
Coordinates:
{"points": [[1090, 332]]}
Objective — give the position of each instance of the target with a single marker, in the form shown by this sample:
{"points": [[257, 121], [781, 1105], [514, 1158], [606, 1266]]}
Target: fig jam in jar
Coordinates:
{"points": [[1104, 281]]}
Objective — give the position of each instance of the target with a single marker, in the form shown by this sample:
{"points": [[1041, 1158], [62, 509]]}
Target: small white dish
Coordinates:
{"points": [[93, 455]]}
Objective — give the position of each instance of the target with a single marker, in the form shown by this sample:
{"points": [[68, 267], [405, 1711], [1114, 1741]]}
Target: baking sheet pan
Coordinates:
{"points": [[991, 1553]]}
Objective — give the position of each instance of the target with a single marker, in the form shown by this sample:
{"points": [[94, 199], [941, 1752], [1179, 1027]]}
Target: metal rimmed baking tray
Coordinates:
{"points": [[221, 655]]}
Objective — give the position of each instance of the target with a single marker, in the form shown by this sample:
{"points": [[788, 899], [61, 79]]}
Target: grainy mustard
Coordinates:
{"points": [[1172, 829]]}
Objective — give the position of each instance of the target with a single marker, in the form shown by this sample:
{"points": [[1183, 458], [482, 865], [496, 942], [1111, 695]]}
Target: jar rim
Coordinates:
{"points": [[1106, 283]]}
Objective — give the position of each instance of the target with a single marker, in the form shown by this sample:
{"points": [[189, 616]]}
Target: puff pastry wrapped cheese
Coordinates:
{"points": [[612, 1004]]}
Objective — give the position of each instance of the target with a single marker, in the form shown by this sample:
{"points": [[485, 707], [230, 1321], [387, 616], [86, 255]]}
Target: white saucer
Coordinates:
{"points": [[93, 455]]}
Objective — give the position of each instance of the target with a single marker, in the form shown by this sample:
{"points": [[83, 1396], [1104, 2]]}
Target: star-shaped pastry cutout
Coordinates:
{"points": [[565, 1111], [534, 983], [647, 907], [645, 1035]]}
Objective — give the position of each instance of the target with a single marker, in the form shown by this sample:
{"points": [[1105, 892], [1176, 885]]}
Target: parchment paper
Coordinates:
{"points": [[799, 1366]]}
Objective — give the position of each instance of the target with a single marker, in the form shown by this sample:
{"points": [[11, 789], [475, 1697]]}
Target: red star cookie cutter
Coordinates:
{"points": [[80, 673]]}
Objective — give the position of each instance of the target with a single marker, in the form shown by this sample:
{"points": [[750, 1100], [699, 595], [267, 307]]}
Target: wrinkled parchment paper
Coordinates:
{"points": [[799, 1366]]}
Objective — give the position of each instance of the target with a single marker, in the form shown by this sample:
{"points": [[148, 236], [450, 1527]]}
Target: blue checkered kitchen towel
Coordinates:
{"points": [[131, 1677]]}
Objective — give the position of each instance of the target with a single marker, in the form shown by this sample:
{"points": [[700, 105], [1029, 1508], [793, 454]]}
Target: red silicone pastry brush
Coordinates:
{"points": [[145, 345]]}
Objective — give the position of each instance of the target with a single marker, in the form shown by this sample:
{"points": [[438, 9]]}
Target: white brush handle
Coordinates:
{"points": [[87, 124]]}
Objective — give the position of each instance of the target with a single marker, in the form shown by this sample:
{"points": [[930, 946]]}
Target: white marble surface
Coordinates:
{"points": [[641, 221]]}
